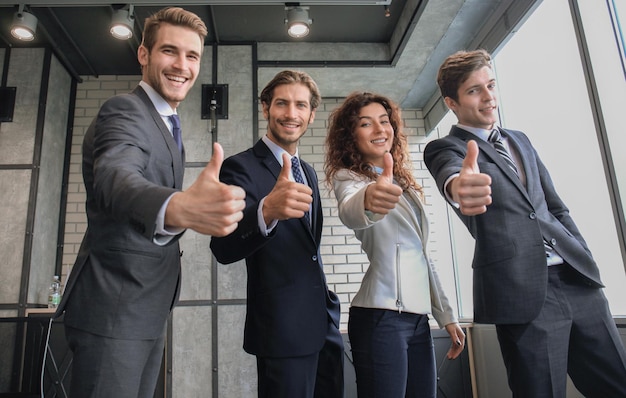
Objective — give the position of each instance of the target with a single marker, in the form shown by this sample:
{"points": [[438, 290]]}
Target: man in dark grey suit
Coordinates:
{"points": [[534, 276], [126, 278], [292, 319]]}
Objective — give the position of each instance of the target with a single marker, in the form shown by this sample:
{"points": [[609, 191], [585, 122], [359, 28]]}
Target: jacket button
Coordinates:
{"points": [[314, 258], [553, 241], [532, 215]]}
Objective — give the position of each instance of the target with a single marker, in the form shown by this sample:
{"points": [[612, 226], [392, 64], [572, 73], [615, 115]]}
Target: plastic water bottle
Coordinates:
{"points": [[54, 295]]}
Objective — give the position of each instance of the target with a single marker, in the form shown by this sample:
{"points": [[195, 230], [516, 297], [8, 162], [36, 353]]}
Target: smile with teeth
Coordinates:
{"points": [[177, 79], [290, 125], [379, 141]]}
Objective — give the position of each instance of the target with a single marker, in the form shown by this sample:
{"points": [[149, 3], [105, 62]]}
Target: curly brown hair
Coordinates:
{"points": [[341, 149]]}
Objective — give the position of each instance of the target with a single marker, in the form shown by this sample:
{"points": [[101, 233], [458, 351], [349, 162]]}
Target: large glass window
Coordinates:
{"points": [[561, 81]]}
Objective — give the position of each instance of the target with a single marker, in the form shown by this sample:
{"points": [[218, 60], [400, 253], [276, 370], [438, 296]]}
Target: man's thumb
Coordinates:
{"points": [[285, 172], [212, 170], [470, 163]]}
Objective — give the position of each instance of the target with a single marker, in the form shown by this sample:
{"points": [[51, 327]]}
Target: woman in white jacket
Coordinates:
{"points": [[368, 165]]}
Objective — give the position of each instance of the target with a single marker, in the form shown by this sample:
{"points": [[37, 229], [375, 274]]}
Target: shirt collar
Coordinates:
{"points": [[477, 131], [159, 103], [277, 151]]}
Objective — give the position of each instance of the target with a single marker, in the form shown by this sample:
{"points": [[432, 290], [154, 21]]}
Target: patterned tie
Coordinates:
{"points": [[176, 132], [297, 175], [496, 138]]}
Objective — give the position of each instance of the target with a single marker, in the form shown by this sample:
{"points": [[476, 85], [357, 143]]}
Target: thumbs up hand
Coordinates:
{"points": [[288, 199], [471, 189], [383, 195], [208, 206]]}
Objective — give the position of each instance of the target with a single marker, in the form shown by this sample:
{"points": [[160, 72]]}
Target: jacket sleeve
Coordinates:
{"points": [[350, 193], [440, 306]]}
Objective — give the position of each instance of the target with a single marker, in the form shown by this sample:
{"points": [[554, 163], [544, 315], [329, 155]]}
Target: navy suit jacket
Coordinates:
{"points": [[123, 285], [509, 266], [288, 302]]}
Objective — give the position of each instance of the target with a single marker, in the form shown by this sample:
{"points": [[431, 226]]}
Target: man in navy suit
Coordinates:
{"points": [[534, 276], [126, 278], [292, 318]]}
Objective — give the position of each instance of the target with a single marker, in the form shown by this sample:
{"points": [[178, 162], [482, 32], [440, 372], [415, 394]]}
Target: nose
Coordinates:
{"points": [[488, 95], [180, 61], [291, 111]]}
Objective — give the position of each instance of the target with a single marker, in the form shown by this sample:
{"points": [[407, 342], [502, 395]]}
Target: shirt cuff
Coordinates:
{"points": [[265, 229], [445, 190], [163, 236]]}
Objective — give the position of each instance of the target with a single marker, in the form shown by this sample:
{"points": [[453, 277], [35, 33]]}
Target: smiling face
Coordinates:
{"points": [[374, 133], [289, 114], [477, 104], [172, 66]]}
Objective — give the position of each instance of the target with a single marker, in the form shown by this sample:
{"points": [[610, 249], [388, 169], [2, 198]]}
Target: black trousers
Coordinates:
{"points": [[319, 375]]}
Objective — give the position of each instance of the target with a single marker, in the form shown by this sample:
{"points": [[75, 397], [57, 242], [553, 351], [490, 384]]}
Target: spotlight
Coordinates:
{"points": [[122, 23], [298, 21], [24, 25]]}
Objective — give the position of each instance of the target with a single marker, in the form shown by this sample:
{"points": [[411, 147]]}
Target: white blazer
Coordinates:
{"points": [[400, 276]]}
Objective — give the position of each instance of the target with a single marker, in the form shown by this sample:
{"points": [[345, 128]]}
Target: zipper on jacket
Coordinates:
{"points": [[399, 304]]}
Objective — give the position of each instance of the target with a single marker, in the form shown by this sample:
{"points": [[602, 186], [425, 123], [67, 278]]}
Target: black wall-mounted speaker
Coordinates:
{"points": [[7, 103]]}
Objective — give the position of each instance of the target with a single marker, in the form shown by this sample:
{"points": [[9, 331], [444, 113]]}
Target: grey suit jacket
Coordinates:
{"points": [[123, 285], [510, 269]]}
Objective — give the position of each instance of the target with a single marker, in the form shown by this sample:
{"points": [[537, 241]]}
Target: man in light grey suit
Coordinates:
{"points": [[126, 278], [534, 276]]}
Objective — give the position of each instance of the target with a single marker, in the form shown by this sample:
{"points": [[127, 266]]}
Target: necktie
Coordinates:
{"points": [[297, 175], [176, 132], [496, 138]]}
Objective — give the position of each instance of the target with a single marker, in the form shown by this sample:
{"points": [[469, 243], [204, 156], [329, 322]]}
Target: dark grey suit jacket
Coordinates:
{"points": [[288, 302], [123, 285], [510, 269]]}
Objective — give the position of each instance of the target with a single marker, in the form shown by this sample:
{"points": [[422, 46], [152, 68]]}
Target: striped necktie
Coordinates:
{"points": [[496, 139], [297, 175]]}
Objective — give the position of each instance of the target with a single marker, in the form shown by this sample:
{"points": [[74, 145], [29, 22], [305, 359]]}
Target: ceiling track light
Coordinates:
{"points": [[298, 21], [123, 23], [24, 25]]}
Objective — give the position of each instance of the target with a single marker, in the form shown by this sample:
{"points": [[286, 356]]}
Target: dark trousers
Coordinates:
{"points": [[319, 375], [574, 333], [393, 354], [103, 367]]}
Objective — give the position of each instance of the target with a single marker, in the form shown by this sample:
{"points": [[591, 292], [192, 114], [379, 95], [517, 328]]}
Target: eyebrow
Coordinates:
{"points": [[379, 116]]}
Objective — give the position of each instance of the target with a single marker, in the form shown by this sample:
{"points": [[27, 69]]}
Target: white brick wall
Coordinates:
{"points": [[90, 94]]}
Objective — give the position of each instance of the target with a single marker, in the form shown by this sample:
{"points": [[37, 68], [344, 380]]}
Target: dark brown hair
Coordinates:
{"points": [[456, 69], [341, 149], [291, 77]]}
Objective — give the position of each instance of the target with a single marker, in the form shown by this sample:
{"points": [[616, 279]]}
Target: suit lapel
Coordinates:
{"points": [[179, 158], [316, 225]]}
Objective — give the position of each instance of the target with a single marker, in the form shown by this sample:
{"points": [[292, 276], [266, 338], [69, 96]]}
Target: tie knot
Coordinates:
{"points": [[495, 135], [175, 121], [295, 163]]}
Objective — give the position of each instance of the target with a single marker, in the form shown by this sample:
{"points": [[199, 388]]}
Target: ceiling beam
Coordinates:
{"points": [[60, 3]]}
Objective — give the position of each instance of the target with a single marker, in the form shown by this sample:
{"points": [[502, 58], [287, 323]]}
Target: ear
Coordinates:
{"points": [[266, 110], [312, 117], [450, 103], [142, 55]]}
